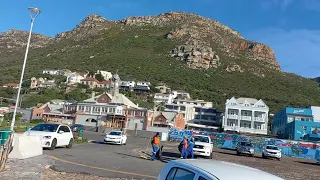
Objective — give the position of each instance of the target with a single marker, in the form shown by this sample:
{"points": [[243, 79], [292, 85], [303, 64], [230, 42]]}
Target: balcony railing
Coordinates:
{"points": [[232, 116], [248, 118], [259, 119]]}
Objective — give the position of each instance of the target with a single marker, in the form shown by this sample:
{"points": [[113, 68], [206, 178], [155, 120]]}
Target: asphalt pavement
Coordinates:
{"points": [[101, 159]]}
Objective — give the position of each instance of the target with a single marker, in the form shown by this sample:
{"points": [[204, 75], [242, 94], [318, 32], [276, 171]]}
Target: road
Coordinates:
{"points": [[106, 160], [126, 162]]}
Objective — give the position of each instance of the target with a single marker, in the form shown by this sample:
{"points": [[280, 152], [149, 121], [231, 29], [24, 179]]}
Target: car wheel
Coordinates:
{"points": [[125, 143], [279, 159], [53, 144], [69, 146], [210, 156], [263, 156], [238, 153]]}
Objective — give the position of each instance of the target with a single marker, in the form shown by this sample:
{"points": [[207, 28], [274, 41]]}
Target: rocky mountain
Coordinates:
{"points": [[15, 39], [187, 51]]}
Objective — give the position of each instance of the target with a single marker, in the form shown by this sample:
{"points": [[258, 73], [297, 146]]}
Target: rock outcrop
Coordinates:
{"points": [[196, 56], [90, 26], [15, 39]]}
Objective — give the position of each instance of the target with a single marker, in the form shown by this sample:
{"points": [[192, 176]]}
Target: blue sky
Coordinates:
{"points": [[290, 27]]}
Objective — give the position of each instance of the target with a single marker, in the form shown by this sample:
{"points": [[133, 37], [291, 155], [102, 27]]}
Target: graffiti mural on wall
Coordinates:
{"points": [[289, 148]]}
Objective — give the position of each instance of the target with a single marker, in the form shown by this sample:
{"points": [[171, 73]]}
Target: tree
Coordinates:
{"points": [[99, 77], [76, 95], [8, 118], [82, 86]]}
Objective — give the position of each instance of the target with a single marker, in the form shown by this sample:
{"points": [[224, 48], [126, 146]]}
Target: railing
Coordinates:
{"points": [[232, 116], [260, 119], [5, 149], [246, 118]]}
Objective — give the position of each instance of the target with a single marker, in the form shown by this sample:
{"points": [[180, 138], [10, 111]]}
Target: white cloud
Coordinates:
{"points": [[297, 51]]}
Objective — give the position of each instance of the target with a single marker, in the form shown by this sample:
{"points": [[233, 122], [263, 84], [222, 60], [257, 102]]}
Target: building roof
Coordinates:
{"points": [[94, 99], [55, 108], [252, 101], [89, 79], [123, 100], [13, 84], [170, 116], [221, 169], [104, 82]]}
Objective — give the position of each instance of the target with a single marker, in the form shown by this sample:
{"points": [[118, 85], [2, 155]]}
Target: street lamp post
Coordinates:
{"points": [[34, 12]]}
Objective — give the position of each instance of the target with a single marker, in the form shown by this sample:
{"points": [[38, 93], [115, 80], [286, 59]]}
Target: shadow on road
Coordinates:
{"points": [[308, 163], [129, 155]]}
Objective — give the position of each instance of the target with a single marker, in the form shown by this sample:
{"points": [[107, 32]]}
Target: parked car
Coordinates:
{"points": [[196, 169], [77, 127], [116, 137], [271, 151], [202, 146], [53, 135], [245, 148]]}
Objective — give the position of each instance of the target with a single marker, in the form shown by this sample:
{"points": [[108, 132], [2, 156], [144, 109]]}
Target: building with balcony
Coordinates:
{"points": [[163, 98], [165, 119], [246, 115], [296, 124], [198, 114]]}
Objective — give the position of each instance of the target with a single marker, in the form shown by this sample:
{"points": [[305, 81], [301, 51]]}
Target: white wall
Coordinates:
{"points": [[316, 113]]}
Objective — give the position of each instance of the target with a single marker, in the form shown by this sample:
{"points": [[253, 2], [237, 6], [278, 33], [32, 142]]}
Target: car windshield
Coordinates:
{"points": [[201, 139], [246, 144], [273, 147], [115, 133], [46, 127]]}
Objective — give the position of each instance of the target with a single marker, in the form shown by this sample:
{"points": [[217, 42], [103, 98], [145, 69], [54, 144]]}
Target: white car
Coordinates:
{"points": [[196, 169], [271, 151], [116, 137], [53, 135], [202, 146]]}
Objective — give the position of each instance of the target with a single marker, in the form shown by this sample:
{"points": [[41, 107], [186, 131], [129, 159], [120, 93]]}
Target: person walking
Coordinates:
{"points": [[155, 145], [190, 148], [184, 147]]}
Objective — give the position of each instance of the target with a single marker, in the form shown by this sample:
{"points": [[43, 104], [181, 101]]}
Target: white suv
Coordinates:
{"points": [[271, 151], [53, 135], [202, 146]]}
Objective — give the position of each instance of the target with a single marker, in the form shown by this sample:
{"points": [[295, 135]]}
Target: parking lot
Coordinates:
{"points": [[116, 161]]}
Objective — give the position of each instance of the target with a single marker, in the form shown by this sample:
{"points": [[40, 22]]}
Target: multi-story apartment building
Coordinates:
{"points": [[246, 115], [163, 98], [197, 113], [297, 124]]}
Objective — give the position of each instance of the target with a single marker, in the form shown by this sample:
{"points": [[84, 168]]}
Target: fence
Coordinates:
{"points": [[4, 152], [297, 149]]}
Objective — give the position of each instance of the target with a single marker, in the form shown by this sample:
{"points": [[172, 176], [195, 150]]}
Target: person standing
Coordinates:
{"points": [[155, 145], [184, 147], [190, 148]]}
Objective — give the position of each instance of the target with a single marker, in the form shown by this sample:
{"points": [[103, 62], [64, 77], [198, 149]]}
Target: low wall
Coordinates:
{"points": [[26, 147], [297, 149]]}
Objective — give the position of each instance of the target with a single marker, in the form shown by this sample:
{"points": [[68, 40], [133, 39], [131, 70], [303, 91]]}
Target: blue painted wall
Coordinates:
{"points": [[287, 123], [290, 148]]}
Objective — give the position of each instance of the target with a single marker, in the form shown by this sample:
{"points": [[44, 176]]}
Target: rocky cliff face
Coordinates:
{"points": [[200, 35], [90, 26], [16, 39]]}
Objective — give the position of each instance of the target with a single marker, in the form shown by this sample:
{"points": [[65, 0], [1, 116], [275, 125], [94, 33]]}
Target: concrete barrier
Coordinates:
{"points": [[26, 147]]}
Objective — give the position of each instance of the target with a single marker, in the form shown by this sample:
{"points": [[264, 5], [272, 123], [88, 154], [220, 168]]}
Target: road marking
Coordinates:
{"points": [[104, 169]]}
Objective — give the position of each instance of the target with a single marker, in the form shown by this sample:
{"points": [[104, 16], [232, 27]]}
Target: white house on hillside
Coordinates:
{"points": [[50, 71], [106, 75], [246, 115]]}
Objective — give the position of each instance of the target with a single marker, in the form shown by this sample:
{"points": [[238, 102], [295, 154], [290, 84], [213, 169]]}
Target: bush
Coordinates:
{"points": [[36, 121]]}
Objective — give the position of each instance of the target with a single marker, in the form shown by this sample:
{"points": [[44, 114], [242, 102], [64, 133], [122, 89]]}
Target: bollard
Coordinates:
{"points": [[4, 134], [80, 132]]}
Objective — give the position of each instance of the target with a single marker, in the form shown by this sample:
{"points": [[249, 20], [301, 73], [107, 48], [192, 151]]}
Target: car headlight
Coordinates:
{"points": [[207, 147], [46, 137]]}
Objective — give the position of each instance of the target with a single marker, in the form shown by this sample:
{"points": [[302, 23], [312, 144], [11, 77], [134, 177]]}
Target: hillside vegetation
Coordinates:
{"points": [[142, 52]]}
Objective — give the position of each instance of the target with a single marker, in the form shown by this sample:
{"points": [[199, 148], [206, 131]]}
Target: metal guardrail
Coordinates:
{"points": [[5, 149]]}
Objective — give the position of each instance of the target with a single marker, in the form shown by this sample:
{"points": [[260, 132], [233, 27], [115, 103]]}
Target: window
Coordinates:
{"points": [[197, 109], [202, 178], [180, 174], [182, 108], [64, 129]]}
